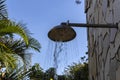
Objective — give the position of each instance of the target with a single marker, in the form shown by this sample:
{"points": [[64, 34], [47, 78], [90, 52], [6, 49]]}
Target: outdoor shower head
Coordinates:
{"points": [[65, 32], [62, 33]]}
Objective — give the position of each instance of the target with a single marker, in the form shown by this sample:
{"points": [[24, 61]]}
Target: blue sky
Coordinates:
{"points": [[41, 15]]}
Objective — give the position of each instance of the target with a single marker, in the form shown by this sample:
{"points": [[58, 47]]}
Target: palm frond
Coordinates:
{"points": [[19, 46], [3, 10], [8, 61], [8, 27], [4, 48], [19, 73], [15, 73], [34, 44]]}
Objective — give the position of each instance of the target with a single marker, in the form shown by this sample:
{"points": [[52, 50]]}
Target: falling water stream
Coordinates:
{"points": [[61, 39], [60, 55], [58, 49]]}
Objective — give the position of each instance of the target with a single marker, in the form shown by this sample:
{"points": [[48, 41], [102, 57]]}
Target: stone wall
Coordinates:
{"points": [[103, 44]]}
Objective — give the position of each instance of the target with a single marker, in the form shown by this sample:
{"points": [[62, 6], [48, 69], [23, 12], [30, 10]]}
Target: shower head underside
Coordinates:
{"points": [[62, 33]]}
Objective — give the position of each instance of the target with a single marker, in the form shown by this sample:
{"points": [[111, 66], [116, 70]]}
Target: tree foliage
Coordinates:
{"points": [[36, 72], [77, 71]]}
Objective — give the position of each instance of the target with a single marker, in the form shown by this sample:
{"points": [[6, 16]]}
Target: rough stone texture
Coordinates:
{"points": [[104, 44], [113, 69], [112, 35], [100, 47], [116, 10], [107, 67], [118, 74], [104, 7]]}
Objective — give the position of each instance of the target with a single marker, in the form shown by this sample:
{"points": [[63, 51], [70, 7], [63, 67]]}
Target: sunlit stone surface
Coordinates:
{"points": [[103, 44]]}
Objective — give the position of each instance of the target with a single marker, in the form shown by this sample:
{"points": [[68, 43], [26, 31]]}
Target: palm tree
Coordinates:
{"points": [[9, 46], [19, 47], [7, 28]]}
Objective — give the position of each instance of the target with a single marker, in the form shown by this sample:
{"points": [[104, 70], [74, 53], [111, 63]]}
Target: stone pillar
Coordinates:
{"points": [[103, 44]]}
